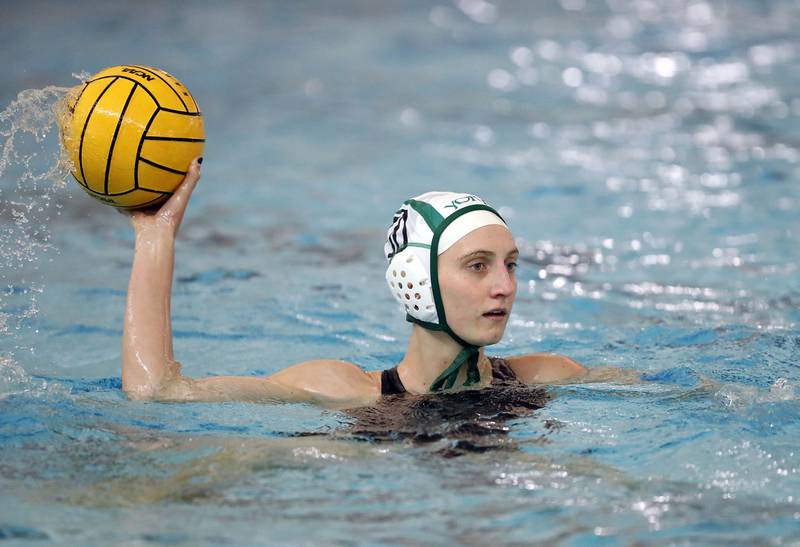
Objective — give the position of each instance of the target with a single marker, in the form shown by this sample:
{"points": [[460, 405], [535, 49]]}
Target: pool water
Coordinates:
{"points": [[645, 154]]}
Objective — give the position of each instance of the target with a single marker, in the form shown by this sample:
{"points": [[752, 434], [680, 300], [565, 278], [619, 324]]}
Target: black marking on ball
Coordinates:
{"points": [[85, 125], [175, 139], [160, 77], [139, 148], [116, 134], [162, 167]]}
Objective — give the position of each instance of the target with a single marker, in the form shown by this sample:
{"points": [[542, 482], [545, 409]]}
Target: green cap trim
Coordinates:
{"points": [[428, 212], [423, 245], [423, 324]]}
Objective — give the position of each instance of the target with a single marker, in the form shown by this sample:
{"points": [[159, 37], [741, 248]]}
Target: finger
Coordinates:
{"points": [[175, 206]]}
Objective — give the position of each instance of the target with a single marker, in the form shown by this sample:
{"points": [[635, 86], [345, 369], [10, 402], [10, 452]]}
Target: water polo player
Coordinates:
{"points": [[452, 264]]}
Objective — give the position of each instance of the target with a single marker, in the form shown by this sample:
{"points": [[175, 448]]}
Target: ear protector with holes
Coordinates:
{"points": [[422, 229]]}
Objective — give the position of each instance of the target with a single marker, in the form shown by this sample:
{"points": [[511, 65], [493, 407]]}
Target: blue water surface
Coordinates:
{"points": [[645, 154]]}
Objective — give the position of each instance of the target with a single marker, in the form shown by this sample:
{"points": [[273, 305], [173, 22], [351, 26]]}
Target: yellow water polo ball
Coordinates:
{"points": [[130, 133]]}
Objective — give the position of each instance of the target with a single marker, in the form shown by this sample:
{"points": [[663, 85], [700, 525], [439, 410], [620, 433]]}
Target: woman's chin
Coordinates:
{"points": [[487, 338]]}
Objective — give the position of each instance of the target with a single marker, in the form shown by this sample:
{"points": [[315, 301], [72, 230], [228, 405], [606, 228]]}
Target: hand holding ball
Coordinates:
{"points": [[130, 133]]}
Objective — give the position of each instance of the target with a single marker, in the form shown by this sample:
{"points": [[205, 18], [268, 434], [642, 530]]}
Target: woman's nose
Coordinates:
{"points": [[503, 281]]}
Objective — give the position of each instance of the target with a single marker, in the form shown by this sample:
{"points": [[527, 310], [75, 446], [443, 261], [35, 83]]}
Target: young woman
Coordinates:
{"points": [[452, 263]]}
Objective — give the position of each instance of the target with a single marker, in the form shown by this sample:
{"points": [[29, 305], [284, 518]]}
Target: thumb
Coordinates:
{"points": [[175, 207]]}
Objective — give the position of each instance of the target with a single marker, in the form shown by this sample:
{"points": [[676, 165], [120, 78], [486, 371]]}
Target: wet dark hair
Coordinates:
{"points": [[452, 424]]}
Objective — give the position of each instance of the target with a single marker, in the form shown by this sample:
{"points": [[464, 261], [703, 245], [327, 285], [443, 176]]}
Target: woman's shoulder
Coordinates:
{"points": [[543, 368]]}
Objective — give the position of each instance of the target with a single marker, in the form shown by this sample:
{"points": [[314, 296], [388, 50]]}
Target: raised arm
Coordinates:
{"points": [[149, 368], [147, 358]]}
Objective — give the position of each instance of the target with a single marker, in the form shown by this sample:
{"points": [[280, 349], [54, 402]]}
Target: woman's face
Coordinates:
{"points": [[478, 284]]}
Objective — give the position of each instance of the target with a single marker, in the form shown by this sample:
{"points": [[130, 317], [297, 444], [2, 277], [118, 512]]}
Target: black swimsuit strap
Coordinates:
{"points": [[392, 385], [390, 382]]}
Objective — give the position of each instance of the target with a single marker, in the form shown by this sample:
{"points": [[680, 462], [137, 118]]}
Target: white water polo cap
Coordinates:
{"points": [[422, 229]]}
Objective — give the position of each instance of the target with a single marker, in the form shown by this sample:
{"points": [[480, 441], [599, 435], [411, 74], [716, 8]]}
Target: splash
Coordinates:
{"points": [[32, 174], [14, 380], [737, 397]]}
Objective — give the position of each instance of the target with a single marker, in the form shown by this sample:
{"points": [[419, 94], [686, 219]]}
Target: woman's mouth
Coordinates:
{"points": [[496, 314]]}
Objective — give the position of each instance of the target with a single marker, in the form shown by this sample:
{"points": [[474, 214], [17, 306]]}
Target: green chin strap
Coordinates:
{"points": [[470, 353], [446, 379]]}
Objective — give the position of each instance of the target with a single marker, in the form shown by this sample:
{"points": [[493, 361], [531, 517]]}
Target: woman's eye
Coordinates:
{"points": [[477, 266], [512, 266]]}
